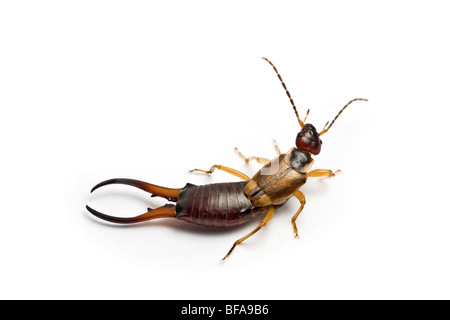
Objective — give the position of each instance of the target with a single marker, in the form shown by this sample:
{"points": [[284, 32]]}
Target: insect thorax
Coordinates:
{"points": [[276, 182]]}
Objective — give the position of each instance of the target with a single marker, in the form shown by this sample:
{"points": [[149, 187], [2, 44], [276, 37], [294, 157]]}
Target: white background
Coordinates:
{"points": [[92, 90]]}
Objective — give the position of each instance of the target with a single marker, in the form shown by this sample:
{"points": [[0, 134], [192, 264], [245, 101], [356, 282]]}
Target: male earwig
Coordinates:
{"points": [[232, 203]]}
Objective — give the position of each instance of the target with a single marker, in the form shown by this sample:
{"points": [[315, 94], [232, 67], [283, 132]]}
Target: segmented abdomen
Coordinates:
{"points": [[215, 205]]}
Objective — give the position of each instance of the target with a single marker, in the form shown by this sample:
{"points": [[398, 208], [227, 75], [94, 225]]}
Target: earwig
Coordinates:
{"points": [[233, 203]]}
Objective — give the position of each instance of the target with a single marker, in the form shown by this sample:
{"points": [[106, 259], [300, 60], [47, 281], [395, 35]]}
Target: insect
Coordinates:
{"points": [[232, 203]]}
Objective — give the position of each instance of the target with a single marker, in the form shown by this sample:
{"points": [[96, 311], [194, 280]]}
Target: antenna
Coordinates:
{"points": [[325, 129], [287, 92]]}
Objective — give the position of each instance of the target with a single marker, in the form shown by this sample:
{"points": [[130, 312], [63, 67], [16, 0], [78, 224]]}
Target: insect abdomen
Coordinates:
{"points": [[215, 205]]}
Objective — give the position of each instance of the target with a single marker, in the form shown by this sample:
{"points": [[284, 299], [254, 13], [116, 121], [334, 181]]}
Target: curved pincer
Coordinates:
{"points": [[168, 193], [166, 211]]}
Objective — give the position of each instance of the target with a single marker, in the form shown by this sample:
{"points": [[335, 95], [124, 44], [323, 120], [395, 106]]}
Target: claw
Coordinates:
{"points": [[166, 211], [156, 191]]}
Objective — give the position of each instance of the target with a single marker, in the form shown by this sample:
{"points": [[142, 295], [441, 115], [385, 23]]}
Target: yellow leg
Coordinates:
{"points": [[277, 149], [322, 173], [232, 171], [258, 159], [247, 160], [266, 219], [301, 197]]}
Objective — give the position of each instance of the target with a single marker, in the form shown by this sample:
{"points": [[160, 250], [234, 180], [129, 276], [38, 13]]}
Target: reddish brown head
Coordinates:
{"points": [[308, 140]]}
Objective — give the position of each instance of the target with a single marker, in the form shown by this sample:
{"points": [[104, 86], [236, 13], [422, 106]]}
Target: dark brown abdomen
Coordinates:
{"points": [[215, 205]]}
